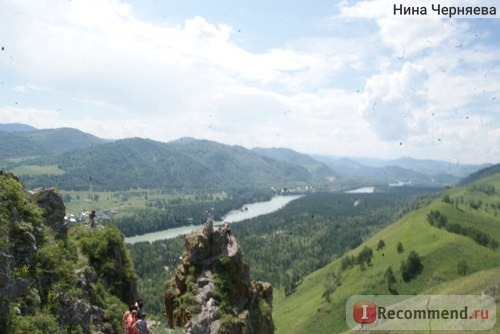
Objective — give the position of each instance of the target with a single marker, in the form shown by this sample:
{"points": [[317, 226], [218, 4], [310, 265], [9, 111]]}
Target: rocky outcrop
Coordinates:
{"points": [[72, 280], [211, 291], [54, 210]]}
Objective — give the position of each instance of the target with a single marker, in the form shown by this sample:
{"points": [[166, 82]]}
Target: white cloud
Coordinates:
{"points": [[38, 118], [370, 80], [407, 35], [394, 102]]}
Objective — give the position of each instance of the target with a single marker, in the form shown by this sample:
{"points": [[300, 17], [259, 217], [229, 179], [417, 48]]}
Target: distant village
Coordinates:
{"points": [[84, 217]]}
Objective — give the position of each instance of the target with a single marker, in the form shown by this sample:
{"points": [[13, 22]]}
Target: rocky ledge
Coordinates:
{"points": [[211, 291]]}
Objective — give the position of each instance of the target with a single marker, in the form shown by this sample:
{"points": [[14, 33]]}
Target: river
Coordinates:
{"points": [[363, 190], [251, 210]]}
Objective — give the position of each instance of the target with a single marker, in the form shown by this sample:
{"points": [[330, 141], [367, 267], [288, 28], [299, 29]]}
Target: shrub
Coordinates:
{"points": [[364, 256], [411, 267], [40, 323], [399, 247], [462, 267]]}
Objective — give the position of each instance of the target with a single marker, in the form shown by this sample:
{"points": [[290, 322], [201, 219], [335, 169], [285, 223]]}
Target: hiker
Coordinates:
{"points": [[130, 322], [92, 219], [227, 230], [140, 307], [227, 233], [125, 317], [128, 319], [142, 325]]}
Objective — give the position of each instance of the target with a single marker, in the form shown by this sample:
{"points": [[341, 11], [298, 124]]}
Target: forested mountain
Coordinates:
{"points": [[182, 164], [14, 145], [448, 245], [16, 127], [296, 158], [355, 171], [24, 143], [429, 167], [71, 159]]}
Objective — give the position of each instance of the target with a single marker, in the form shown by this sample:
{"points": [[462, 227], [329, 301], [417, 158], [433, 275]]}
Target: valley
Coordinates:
{"points": [[344, 227]]}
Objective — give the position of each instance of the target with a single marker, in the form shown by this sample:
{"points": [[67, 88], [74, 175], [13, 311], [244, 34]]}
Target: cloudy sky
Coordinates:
{"points": [[332, 77]]}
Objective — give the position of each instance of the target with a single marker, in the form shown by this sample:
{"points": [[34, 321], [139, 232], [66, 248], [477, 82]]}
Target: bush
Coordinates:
{"points": [[346, 262], [411, 267], [40, 323], [110, 259], [399, 247], [435, 218], [391, 280], [364, 256]]}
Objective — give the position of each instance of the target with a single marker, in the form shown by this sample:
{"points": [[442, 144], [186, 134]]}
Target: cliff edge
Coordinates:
{"points": [[54, 279], [211, 291]]}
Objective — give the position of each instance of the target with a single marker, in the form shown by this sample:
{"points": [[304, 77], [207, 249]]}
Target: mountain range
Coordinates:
{"points": [[72, 159]]}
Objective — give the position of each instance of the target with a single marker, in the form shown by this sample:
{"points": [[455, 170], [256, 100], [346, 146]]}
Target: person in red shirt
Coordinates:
{"points": [[130, 322], [125, 317]]}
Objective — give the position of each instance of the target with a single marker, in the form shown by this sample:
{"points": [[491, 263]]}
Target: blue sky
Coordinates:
{"points": [[343, 77]]}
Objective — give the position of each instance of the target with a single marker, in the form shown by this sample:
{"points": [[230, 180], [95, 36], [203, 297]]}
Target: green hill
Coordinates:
{"points": [[480, 174], [446, 256], [296, 158], [14, 145], [73, 160], [61, 140], [16, 127], [183, 164], [24, 143]]}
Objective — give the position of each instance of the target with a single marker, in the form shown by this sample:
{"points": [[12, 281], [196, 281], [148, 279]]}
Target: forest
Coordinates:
{"points": [[284, 246], [160, 213]]}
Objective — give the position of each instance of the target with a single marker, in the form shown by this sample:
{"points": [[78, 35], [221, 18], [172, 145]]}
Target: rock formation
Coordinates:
{"points": [[53, 209], [61, 277], [211, 291]]}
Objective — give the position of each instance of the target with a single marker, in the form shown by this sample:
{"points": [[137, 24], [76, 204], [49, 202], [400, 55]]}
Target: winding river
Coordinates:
{"points": [[251, 210]]}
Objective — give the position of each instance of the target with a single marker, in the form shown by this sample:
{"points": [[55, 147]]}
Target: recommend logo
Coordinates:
{"points": [[364, 312], [421, 312]]}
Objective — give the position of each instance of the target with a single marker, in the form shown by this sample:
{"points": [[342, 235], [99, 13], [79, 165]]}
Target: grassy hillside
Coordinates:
{"points": [[306, 311]]}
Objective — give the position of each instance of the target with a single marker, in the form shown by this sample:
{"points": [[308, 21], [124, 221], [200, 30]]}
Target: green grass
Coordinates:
{"points": [[306, 311], [124, 201], [83, 201], [36, 170]]}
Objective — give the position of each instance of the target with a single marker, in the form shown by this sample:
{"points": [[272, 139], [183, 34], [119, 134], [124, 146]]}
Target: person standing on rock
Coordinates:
{"points": [[227, 232], [92, 219]]}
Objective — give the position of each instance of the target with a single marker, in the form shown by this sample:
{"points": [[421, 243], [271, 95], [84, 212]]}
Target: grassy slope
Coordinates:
{"points": [[37, 170], [306, 312]]}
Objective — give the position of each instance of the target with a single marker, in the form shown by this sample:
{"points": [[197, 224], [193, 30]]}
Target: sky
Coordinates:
{"points": [[344, 78]]}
